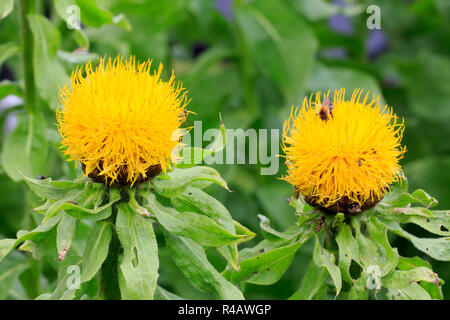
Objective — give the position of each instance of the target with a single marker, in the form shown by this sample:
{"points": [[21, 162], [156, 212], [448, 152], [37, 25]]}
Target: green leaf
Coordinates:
{"points": [[281, 43], [6, 245], [36, 235], [188, 224], [96, 249], [25, 149], [163, 294], [191, 156], [395, 196], [64, 235], [436, 222], [68, 276], [387, 255], [10, 269], [316, 10], [7, 50], [348, 251], [7, 87], [434, 289], [6, 7], [176, 181], [196, 200], [313, 281], [273, 235], [75, 58], [411, 292], [47, 40], [266, 263], [437, 248], [401, 279], [56, 190], [81, 39], [92, 15], [424, 198], [79, 212], [325, 259], [241, 230], [192, 261], [140, 263], [121, 21]]}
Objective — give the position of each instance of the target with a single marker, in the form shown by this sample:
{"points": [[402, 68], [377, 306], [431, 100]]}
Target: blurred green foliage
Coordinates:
{"points": [[251, 62]]}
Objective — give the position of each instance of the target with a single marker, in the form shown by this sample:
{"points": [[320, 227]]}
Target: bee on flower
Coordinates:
{"points": [[343, 158], [121, 121]]}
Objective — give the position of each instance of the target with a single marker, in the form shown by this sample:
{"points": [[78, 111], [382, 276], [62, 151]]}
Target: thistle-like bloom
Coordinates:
{"points": [[120, 120], [342, 155]]}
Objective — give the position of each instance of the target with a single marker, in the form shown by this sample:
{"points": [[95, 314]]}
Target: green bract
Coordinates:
{"points": [[356, 250]]}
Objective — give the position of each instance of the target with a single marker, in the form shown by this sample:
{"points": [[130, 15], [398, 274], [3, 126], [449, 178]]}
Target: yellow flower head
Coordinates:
{"points": [[342, 149], [120, 120]]}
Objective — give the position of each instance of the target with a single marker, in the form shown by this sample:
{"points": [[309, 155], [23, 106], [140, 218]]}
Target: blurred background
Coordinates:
{"points": [[251, 61]]}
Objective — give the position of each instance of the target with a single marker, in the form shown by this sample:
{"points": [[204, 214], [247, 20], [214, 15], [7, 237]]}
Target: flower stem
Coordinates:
{"points": [[26, 7], [109, 278]]}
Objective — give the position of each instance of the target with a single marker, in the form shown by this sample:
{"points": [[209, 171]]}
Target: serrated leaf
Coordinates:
{"points": [[139, 264], [192, 261]]}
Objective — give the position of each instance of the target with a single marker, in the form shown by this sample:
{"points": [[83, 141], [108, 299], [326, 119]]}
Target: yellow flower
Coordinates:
{"points": [[120, 120], [343, 157]]}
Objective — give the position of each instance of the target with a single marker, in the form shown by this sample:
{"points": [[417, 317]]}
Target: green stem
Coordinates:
{"points": [[26, 7], [109, 278]]}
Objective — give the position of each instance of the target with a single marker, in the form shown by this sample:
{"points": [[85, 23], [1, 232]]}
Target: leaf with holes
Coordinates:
{"points": [[139, 263]]}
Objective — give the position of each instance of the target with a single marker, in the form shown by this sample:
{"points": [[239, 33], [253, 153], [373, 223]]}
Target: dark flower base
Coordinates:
{"points": [[151, 173], [344, 205]]}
